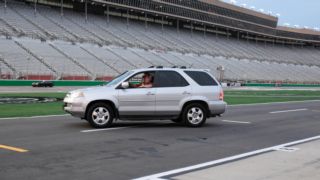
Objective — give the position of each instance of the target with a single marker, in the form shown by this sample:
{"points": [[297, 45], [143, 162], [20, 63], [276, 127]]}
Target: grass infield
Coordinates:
{"points": [[231, 97]]}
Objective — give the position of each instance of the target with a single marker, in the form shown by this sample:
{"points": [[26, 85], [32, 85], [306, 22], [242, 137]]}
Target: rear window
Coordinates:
{"points": [[202, 78], [169, 79]]}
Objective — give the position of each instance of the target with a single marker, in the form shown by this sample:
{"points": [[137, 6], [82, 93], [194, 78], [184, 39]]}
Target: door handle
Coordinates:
{"points": [[150, 93], [186, 93]]}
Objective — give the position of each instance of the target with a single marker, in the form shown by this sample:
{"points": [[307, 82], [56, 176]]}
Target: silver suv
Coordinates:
{"points": [[187, 96]]}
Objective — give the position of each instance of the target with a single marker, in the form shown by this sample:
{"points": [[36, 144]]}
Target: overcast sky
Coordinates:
{"points": [[294, 12]]}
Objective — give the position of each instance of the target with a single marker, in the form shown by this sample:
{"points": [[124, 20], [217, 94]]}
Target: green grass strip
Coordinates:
{"points": [[26, 110]]}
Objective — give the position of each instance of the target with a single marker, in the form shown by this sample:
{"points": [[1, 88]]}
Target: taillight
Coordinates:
{"points": [[221, 95]]}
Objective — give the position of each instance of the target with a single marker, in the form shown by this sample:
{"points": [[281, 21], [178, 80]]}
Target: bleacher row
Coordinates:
{"points": [[76, 49]]}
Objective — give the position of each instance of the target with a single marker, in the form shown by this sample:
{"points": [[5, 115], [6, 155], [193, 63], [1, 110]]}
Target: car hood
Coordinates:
{"points": [[93, 90]]}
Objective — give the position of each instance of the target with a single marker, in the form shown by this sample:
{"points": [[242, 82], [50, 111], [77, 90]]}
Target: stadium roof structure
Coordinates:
{"points": [[201, 15], [240, 9]]}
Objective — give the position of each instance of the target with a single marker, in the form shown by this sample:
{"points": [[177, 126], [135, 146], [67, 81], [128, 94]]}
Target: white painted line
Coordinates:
{"points": [[288, 102], [240, 122], [287, 149], [32, 117], [224, 160], [106, 129], [291, 110]]}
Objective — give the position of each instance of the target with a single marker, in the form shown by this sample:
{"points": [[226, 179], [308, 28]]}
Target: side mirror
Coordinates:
{"points": [[125, 85]]}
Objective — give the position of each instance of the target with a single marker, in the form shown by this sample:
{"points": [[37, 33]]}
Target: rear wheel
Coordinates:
{"points": [[100, 115], [194, 115]]}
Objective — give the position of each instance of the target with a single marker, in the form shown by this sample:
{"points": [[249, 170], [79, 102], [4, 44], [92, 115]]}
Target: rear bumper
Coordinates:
{"points": [[217, 107]]}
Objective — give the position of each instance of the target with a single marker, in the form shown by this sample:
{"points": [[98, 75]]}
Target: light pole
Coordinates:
{"points": [[162, 21], [221, 70], [86, 9], [108, 18], [145, 21], [61, 8], [35, 6], [127, 19], [178, 31], [28, 59], [191, 28], [0, 71]]}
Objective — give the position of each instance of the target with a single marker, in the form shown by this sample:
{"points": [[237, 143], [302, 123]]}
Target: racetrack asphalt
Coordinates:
{"points": [[64, 147]]}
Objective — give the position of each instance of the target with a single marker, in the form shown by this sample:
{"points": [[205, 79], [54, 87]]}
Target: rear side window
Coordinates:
{"points": [[202, 78], [169, 79]]}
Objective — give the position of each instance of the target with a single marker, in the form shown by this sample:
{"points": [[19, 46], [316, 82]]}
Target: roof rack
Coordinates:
{"points": [[161, 67]]}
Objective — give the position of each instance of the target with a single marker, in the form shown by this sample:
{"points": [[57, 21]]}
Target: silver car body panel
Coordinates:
{"points": [[136, 101], [169, 100], [157, 101]]}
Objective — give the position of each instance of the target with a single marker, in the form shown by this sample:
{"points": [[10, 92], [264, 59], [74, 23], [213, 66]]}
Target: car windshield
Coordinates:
{"points": [[119, 78]]}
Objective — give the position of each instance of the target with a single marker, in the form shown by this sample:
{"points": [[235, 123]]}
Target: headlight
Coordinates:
{"points": [[68, 95], [77, 94]]}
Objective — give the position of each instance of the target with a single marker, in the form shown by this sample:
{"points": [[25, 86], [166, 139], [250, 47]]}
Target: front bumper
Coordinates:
{"points": [[217, 107], [74, 106]]}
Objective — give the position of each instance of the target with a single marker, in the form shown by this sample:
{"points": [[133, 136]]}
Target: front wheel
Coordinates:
{"points": [[194, 115], [100, 115]]}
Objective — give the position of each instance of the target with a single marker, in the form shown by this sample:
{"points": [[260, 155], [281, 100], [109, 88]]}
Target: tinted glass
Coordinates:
{"points": [[202, 78], [169, 79]]}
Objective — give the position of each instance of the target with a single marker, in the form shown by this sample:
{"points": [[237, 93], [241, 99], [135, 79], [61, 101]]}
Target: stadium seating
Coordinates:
{"points": [[97, 49], [60, 63], [5, 71], [114, 61], [21, 60]]}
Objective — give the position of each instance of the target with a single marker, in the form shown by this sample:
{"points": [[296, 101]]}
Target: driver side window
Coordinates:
{"points": [[142, 80]]}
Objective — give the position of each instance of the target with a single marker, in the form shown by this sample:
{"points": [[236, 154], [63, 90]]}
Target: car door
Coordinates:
{"points": [[136, 101], [171, 90]]}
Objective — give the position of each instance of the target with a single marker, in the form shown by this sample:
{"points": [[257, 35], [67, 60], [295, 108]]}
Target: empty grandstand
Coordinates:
{"points": [[99, 39]]}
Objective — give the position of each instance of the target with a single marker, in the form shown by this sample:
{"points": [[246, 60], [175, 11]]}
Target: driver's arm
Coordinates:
{"points": [[135, 85]]}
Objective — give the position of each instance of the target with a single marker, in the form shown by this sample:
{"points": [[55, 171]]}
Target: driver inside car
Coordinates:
{"points": [[146, 82]]}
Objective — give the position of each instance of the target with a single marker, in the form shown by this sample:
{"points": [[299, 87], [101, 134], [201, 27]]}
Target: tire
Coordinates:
{"points": [[102, 120], [194, 115]]}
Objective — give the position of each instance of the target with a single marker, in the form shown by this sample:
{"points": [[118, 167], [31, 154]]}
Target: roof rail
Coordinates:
{"points": [[161, 67]]}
